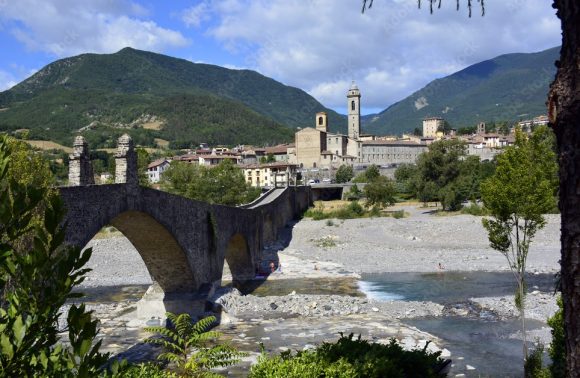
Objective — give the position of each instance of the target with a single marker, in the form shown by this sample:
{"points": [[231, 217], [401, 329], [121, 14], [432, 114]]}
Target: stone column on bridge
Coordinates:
{"points": [[80, 171], [126, 162]]}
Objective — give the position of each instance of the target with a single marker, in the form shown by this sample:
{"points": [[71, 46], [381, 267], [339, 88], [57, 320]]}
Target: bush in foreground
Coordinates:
{"points": [[184, 345], [350, 357]]}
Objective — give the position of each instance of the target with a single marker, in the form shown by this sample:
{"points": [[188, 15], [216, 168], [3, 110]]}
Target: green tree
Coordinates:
{"points": [[344, 173], [27, 167], [503, 128], [439, 168], [143, 160], [466, 130], [223, 184], [372, 173], [380, 192], [185, 344], [406, 176], [36, 282], [517, 195]]}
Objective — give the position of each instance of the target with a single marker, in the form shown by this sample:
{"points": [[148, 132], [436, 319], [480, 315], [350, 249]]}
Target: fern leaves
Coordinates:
{"points": [[185, 342]]}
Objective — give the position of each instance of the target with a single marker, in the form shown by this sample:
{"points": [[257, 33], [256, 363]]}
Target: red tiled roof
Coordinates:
{"points": [[156, 163]]}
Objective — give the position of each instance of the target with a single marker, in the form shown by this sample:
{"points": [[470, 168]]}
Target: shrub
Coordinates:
{"points": [[350, 357], [557, 349], [121, 369], [354, 193], [185, 345], [375, 212], [315, 213], [474, 209], [399, 214], [325, 242], [533, 364]]}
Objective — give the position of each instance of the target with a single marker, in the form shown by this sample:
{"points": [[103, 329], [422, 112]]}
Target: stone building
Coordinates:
{"points": [[316, 147], [431, 125], [353, 103], [391, 152], [310, 143], [279, 152]]}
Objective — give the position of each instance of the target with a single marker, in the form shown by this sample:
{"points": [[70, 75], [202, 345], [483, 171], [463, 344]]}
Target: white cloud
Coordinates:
{"points": [[196, 15], [7, 80], [69, 27], [391, 50]]}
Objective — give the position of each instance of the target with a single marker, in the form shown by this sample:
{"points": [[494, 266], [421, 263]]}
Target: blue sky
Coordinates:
{"points": [[317, 45]]}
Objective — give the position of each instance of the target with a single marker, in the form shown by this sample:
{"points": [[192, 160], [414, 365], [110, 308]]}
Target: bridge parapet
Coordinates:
{"points": [[126, 162], [80, 171]]}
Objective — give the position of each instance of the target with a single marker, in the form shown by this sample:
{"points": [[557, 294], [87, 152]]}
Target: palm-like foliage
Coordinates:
{"points": [[185, 345]]}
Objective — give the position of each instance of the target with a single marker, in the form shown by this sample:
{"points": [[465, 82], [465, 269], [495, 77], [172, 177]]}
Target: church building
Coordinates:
{"points": [[316, 147]]}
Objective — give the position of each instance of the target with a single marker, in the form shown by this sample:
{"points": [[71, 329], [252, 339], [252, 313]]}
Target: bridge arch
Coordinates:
{"points": [[164, 258], [239, 258]]}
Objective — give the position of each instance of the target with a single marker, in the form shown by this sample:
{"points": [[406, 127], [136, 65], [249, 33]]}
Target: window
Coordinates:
{"points": [[352, 105], [320, 120]]}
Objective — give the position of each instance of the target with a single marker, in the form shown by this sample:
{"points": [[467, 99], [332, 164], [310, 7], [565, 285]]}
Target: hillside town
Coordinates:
{"points": [[289, 189], [317, 152]]}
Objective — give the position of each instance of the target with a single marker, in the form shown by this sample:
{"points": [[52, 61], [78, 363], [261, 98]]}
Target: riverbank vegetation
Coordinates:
{"points": [[520, 192], [446, 174], [349, 210], [350, 358]]}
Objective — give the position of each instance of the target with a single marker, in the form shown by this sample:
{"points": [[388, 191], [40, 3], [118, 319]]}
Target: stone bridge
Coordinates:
{"points": [[183, 243]]}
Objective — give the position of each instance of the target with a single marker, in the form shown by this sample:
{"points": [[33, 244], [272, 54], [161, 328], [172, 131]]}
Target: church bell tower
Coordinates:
{"points": [[353, 103]]}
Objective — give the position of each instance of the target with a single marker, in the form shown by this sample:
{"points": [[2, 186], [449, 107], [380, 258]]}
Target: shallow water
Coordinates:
{"points": [[477, 342], [111, 294], [322, 286], [481, 344], [447, 287]]}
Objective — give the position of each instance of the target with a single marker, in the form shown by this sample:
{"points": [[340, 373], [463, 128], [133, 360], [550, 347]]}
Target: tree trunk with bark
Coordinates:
{"points": [[564, 113]]}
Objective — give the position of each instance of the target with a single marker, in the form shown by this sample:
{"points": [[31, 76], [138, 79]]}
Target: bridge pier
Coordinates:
{"points": [[155, 303]]}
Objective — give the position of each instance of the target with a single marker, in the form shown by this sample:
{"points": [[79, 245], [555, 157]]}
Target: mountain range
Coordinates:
{"points": [[104, 95], [507, 88], [161, 99]]}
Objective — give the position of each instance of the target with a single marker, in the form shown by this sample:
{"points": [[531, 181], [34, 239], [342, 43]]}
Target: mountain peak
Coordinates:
{"points": [[498, 89], [90, 93]]}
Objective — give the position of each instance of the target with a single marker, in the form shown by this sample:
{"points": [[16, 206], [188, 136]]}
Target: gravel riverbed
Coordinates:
{"points": [[421, 242]]}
